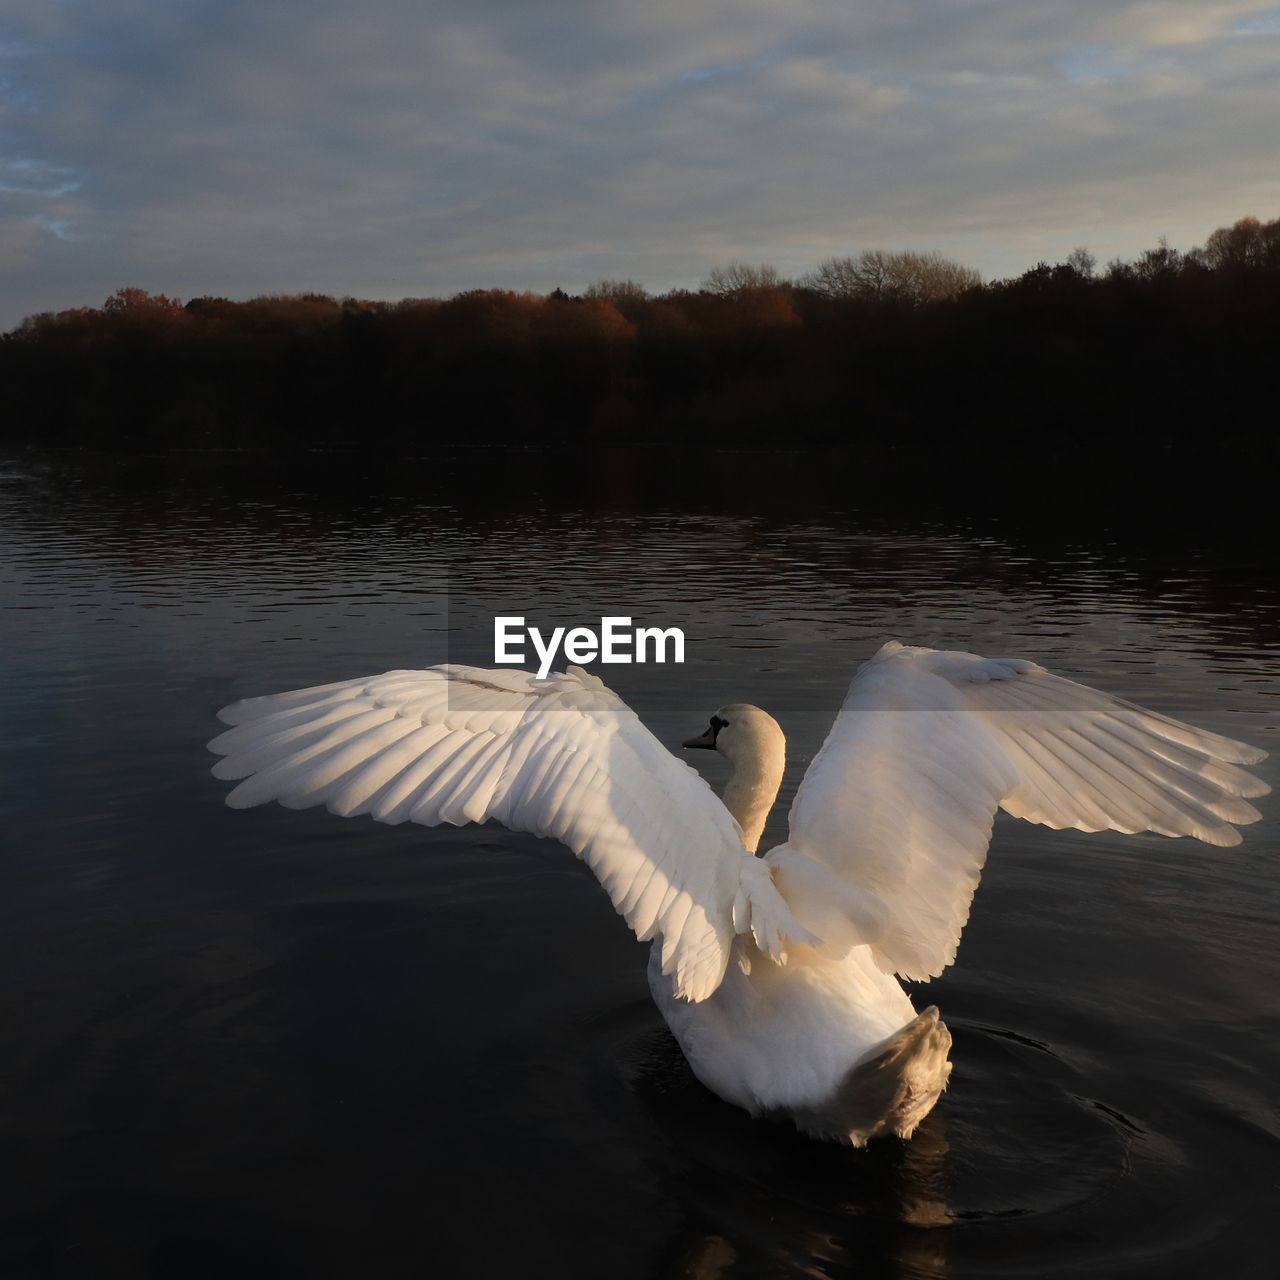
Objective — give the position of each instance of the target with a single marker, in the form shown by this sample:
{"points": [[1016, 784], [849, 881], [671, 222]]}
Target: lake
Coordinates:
{"points": [[271, 1042]]}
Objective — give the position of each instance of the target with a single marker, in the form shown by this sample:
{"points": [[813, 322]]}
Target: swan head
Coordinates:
{"points": [[741, 733], [754, 744]]}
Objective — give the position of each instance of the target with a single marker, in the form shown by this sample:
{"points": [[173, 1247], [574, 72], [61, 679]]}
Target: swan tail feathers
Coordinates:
{"points": [[890, 1089]]}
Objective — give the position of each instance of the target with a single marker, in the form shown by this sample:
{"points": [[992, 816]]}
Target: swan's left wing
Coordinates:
{"points": [[563, 757], [899, 803]]}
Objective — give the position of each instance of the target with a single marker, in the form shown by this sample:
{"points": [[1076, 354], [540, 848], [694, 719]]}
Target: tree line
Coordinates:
{"points": [[880, 352]]}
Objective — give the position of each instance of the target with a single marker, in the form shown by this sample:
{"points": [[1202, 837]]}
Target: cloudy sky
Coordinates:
{"points": [[412, 147]]}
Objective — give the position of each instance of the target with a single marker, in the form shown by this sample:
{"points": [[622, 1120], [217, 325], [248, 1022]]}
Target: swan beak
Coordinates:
{"points": [[707, 740]]}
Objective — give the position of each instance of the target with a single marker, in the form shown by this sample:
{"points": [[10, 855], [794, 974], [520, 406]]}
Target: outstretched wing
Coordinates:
{"points": [[928, 744], [564, 757]]}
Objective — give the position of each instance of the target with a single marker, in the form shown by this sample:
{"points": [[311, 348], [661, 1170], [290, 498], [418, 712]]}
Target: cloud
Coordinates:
{"points": [[401, 148]]}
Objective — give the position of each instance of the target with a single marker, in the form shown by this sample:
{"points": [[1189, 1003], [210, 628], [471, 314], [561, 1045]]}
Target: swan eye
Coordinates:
{"points": [[717, 724]]}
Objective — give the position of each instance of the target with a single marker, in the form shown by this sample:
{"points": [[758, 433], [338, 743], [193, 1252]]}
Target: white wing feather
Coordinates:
{"points": [[928, 744], [564, 758]]}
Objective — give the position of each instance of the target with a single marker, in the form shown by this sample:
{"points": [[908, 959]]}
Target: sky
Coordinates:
{"points": [[409, 148]]}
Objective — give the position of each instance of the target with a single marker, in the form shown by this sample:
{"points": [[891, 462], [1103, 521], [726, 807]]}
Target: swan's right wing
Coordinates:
{"points": [[897, 807], [563, 757]]}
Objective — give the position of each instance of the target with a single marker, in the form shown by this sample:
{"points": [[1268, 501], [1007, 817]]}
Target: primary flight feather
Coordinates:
{"points": [[563, 757]]}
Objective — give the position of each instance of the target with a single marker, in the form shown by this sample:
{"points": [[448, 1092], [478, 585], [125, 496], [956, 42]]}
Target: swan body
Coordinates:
{"points": [[778, 975], [833, 1045]]}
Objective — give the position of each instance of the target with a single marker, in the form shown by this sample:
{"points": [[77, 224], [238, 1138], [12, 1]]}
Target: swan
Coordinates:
{"points": [[778, 975]]}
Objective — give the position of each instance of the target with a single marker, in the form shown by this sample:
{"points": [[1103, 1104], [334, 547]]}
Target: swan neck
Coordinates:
{"points": [[753, 787]]}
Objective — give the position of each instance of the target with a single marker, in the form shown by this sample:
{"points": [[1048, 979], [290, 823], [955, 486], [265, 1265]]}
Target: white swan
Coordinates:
{"points": [[776, 974]]}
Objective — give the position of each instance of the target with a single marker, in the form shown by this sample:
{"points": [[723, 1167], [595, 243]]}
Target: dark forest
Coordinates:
{"points": [[882, 353]]}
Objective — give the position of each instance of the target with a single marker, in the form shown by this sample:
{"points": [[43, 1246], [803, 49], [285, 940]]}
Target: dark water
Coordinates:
{"points": [[280, 1043]]}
